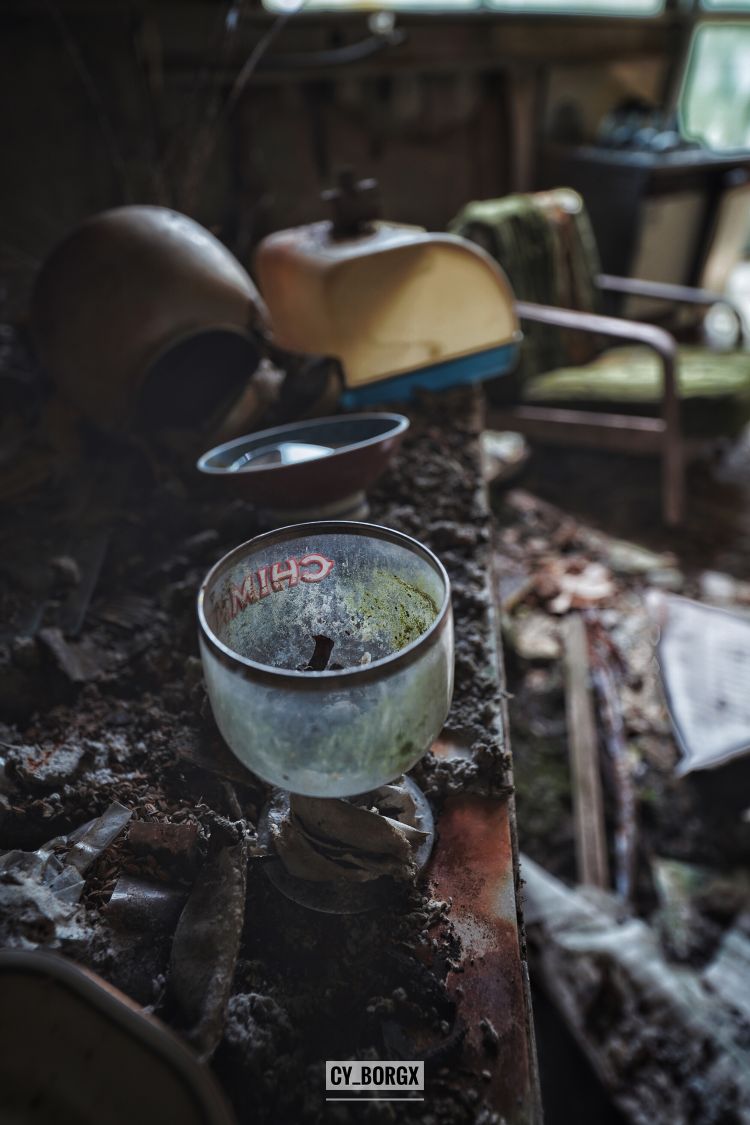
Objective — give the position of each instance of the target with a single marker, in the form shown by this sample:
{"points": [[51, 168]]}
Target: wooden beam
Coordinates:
{"points": [[583, 748]]}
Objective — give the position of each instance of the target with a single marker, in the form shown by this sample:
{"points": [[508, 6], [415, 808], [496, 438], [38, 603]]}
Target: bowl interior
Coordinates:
{"points": [[332, 435], [324, 601]]}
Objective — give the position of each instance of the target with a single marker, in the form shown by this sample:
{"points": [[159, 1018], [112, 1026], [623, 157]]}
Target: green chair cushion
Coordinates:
{"points": [[714, 387]]}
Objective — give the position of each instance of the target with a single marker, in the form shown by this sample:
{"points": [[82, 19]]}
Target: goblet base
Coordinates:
{"points": [[340, 896]]}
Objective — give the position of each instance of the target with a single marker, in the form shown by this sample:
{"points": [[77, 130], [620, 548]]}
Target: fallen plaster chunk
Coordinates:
{"points": [[573, 582], [46, 766], [628, 558], [723, 589], [503, 455], [669, 1043], [534, 635]]}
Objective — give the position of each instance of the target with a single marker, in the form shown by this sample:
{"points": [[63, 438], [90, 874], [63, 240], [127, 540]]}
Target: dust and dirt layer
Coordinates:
{"points": [[115, 717]]}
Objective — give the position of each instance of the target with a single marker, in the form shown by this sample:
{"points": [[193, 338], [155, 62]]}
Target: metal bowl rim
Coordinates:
{"points": [[146, 1029], [363, 673], [401, 425]]}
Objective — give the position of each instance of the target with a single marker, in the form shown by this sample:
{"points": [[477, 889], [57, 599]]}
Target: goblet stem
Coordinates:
{"points": [[339, 855]]}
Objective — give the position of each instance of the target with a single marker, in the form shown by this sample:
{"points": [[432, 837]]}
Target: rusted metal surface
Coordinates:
{"points": [[473, 868]]}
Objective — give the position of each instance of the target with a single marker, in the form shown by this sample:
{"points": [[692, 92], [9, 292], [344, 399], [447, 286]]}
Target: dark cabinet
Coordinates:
{"points": [[679, 194]]}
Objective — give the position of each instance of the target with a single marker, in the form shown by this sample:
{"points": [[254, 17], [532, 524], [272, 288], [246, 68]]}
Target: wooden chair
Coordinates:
{"points": [[652, 397]]}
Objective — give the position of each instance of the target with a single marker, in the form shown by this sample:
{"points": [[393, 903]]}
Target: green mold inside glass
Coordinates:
{"points": [[328, 654]]}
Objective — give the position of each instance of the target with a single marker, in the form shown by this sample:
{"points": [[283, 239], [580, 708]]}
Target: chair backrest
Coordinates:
{"points": [[545, 245]]}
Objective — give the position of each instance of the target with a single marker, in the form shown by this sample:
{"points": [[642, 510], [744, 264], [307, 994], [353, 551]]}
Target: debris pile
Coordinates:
{"points": [[110, 753], [647, 958], [551, 569], [670, 1044]]}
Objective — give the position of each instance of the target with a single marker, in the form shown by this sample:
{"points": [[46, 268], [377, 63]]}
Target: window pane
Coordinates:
{"points": [[581, 7], [552, 7], [370, 5], [726, 5], [715, 99]]}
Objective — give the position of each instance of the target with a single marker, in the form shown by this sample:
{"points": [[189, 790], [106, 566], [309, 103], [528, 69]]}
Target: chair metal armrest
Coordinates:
{"points": [[658, 339], [663, 291], [665, 346]]}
